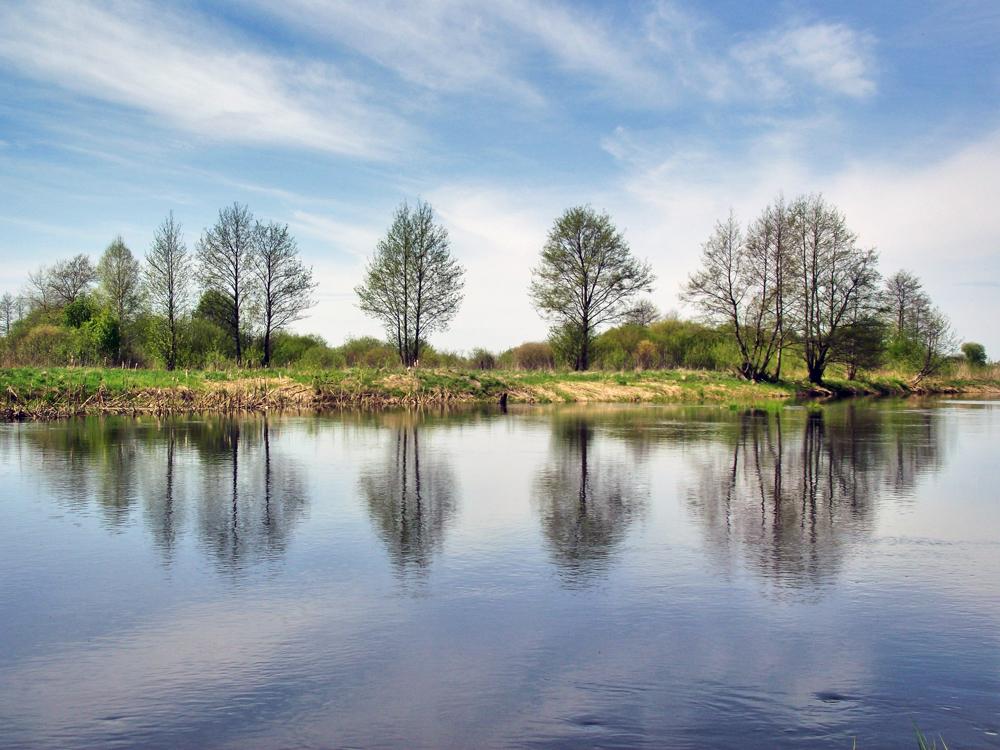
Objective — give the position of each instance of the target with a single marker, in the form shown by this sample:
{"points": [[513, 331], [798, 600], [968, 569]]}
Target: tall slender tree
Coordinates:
{"points": [[733, 288], [8, 312], [168, 281], [587, 277], [225, 259], [118, 274], [413, 285], [286, 284]]}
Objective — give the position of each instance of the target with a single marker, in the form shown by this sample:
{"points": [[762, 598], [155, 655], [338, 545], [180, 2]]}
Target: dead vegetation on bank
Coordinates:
{"points": [[67, 392]]}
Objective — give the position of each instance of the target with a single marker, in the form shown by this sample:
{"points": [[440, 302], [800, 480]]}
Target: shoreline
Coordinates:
{"points": [[37, 394]]}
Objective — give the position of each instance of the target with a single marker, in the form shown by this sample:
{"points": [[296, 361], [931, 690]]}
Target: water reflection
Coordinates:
{"points": [[792, 496], [220, 477], [410, 494], [585, 499], [251, 499]]}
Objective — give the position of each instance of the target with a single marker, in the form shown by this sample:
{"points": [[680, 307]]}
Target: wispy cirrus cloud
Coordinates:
{"points": [[497, 49], [188, 73], [831, 56]]}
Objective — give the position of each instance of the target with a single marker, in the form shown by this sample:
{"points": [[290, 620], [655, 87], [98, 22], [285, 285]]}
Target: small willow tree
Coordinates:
{"points": [[413, 285], [587, 278]]}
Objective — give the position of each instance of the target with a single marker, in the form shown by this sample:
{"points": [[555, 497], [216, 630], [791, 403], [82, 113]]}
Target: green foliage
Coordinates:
{"points": [[47, 344], [101, 337], [975, 354], [368, 351], [288, 348], [79, 311], [321, 357], [669, 343]]}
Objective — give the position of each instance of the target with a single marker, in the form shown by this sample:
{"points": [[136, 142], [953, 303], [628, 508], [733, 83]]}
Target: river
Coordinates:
{"points": [[580, 576]]}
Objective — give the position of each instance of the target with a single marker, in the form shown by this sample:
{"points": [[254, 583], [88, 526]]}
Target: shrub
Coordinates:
{"points": [[975, 354], [646, 355], [368, 351], [321, 357], [481, 359], [47, 344], [533, 355], [290, 348]]}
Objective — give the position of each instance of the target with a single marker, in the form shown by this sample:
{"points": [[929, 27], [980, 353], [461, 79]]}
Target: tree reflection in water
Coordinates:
{"points": [[792, 496], [250, 497], [585, 499], [411, 496]]}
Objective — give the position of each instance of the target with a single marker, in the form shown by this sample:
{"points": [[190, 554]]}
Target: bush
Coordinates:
{"points": [[646, 355], [975, 354], [290, 348], [481, 359], [533, 355], [101, 336], [431, 357], [79, 311], [47, 344], [321, 357]]}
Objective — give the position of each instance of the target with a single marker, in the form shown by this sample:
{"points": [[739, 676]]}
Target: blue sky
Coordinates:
{"points": [[327, 114]]}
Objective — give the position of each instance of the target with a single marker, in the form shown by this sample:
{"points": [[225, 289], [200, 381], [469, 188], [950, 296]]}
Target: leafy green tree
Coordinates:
{"points": [[587, 278], [975, 354], [860, 345], [118, 274], [413, 285], [79, 311]]}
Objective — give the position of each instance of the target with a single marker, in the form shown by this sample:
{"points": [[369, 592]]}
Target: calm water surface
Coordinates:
{"points": [[572, 577]]}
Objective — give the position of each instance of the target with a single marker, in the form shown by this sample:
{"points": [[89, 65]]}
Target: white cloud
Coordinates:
{"points": [[936, 218], [833, 57], [196, 77]]}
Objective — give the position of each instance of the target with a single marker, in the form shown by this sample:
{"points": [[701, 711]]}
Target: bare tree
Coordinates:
{"points": [[586, 278], [413, 285], [643, 313], [225, 255], [905, 299], [934, 334], [771, 262], [8, 312], [834, 276], [730, 289], [37, 291], [62, 284], [286, 284], [168, 280]]}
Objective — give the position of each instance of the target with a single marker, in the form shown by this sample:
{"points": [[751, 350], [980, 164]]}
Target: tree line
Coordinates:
{"points": [[794, 283], [248, 275]]}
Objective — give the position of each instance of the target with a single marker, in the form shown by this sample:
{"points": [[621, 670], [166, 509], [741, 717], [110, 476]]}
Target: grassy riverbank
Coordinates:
{"points": [[34, 393]]}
